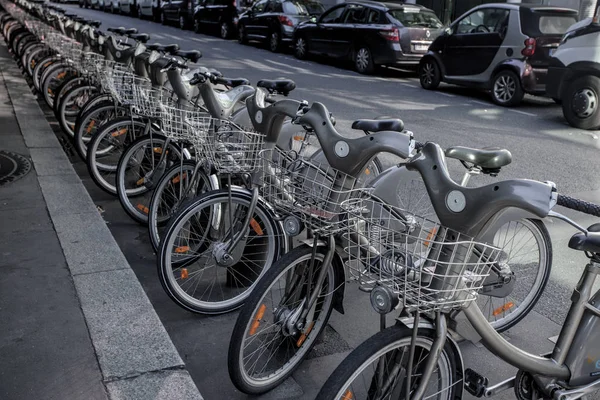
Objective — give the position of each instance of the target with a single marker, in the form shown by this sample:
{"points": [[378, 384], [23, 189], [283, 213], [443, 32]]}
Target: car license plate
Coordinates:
{"points": [[421, 47]]}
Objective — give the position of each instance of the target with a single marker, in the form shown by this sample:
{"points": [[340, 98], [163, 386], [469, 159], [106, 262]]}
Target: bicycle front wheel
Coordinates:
{"points": [[263, 351], [197, 237], [378, 369]]}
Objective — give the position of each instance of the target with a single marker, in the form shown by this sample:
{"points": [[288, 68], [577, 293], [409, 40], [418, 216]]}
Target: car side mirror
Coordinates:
{"points": [[448, 31], [313, 19]]}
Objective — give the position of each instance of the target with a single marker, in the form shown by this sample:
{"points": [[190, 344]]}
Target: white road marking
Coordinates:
{"points": [[482, 103], [157, 36], [172, 36], [447, 94], [523, 112], [197, 40], [407, 84]]}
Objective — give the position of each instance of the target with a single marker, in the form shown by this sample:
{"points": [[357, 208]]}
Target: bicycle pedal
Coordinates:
{"points": [[475, 383]]}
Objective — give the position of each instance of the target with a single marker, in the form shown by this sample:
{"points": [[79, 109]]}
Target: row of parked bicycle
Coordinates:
{"points": [[255, 201]]}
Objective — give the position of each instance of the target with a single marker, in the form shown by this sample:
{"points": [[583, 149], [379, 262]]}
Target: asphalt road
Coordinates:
{"points": [[544, 148]]}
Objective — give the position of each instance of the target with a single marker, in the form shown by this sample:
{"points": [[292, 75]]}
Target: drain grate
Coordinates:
{"points": [[12, 167]]}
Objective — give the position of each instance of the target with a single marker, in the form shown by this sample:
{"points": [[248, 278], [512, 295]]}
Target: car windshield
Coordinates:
{"points": [[303, 8], [416, 17]]}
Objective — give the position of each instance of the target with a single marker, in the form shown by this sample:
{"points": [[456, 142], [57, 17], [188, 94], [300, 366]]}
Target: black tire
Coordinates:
{"points": [[197, 26], [300, 48], [430, 74], [557, 101], [363, 60], [106, 147], [387, 340], [257, 300], [85, 129], [242, 35], [75, 97], [274, 41], [514, 318], [580, 103], [163, 18], [171, 261], [69, 84], [225, 30], [135, 201], [506, 89], [139, 12], [164, 203]]}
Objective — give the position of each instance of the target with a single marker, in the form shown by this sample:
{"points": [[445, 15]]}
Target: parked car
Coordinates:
{"points": [[179, 11], [112, 6], [574, 75], [504, 48], [148, 8], [128, 7], [274, 21], [217, 15], [370, 34], [88, 3]]}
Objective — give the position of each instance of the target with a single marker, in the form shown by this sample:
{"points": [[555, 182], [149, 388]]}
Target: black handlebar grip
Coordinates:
{"points": [[419, 145], [578, 205]]}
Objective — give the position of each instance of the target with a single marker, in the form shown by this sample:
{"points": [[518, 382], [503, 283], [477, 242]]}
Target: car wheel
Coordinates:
{"points": [[182, 22], [363, 62], [300, 48], [557, 101], [430, 75], [163, 18], [580, 103], [139, 12], [274, 42], [242, 35], [224, 31], [506, 89], [197, 27]]}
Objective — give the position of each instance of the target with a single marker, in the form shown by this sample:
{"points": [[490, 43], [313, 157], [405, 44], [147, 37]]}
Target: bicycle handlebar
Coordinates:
{"points": [[578, 205]]}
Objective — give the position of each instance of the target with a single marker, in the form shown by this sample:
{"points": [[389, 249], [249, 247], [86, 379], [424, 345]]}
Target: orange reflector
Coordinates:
{"points": [[298, 138], [305, 335], [184, 273], [430, 235], [503, 308], [140, 181], [158, 150], [120, 132], [50, 91], [256, 323], [178, 178], [61, 75], [367, 171], [348, 395], [48, 63], [182, 249], [143, 208], [256, 227], [91, 126]]}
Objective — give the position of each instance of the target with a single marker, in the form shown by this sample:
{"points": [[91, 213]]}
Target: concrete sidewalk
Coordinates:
{"points": [[76, 323]]}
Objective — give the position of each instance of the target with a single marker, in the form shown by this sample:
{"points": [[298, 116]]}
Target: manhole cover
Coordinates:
{"points": [[12, 167]]}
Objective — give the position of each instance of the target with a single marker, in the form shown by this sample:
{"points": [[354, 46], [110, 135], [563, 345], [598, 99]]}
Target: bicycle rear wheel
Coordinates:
{"points": [[377, 369], [91, 122], [187, 260]]}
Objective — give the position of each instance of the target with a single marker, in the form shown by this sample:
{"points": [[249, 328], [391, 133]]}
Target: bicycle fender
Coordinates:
{"points": [[460, 365], [506, 215], [339, 273]]}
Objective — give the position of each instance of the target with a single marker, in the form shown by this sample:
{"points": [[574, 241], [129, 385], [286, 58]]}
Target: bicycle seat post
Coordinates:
{"points": [[471, 171]]}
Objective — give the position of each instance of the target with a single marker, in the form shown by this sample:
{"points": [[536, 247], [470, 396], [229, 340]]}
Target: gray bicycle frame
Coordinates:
{"points": [[485, 207]]}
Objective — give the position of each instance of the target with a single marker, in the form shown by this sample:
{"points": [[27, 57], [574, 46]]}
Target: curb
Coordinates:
{"points": [[134, 351]]}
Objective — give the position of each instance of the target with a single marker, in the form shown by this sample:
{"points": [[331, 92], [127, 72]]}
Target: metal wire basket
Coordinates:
{"points": [[310, 190], [176, 120], [119, 81], [232, 149], [147, 100], [89, 61], [430, 267]]}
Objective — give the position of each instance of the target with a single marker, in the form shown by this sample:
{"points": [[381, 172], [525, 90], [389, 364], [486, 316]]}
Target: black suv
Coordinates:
{"points": [[274, 21], [221, 15], [370, 33], [179, 11]]}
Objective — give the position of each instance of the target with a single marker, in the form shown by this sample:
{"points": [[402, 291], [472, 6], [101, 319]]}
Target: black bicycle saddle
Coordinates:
{"points": [[379, 125], [590, 242], [140, 37], [95, 23], [169, 48], [70, 15], [193, 55], [281, 85], [487, 158], [117, 31], [233, 82]]}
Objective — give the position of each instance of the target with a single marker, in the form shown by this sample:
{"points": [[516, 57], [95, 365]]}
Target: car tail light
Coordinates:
{"points": [[529, 49], [393, 35], [285, 20]]}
